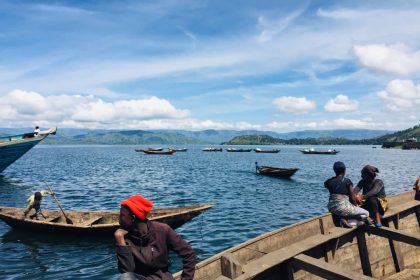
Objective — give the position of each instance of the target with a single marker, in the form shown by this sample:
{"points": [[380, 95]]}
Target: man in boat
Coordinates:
{"points": [[143, 246], [34, 201], [343, 199], [416, 187], [37, 131]]}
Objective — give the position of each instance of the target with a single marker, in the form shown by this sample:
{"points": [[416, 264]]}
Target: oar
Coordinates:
{"points": [[68, 221]]}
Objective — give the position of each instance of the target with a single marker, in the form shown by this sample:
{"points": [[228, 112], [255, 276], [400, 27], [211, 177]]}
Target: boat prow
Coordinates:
{"points": [[12, 147]]}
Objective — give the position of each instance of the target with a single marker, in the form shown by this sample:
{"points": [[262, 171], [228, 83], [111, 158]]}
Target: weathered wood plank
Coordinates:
{"points": [[324, 269], [231, 267], [274, 258], [397, 209], [363, 253], [396, 248], [395, 235]]}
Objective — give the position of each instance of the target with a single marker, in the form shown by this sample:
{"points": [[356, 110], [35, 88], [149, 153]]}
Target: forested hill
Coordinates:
{"points": [[268, 140]]}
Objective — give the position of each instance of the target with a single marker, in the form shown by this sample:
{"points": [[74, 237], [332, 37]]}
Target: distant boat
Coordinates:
{"points": [[212, 150], [238, 150], [149, 149], [153, 152], [258, 150], [93, 222], [319, 152], [275, 171], [12, 147], [179, 150]]}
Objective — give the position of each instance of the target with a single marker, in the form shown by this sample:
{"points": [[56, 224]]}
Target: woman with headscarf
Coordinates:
{"points": [[143, 246], [373, 193], [343, 198]]}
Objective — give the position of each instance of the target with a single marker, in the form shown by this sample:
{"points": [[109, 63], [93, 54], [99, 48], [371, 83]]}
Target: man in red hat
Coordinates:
{"points": [[143, 246]]}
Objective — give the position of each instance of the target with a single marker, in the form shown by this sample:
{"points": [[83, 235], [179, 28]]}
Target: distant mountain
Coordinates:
{"points": [[101, 136], [402, 135], [126, 137]]}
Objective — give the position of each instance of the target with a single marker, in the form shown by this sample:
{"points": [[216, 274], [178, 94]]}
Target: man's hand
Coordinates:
{"points": [[119, 236]]}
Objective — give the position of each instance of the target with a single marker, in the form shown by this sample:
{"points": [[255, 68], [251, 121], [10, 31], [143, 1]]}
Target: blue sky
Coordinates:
{"points": [[266, 65]]}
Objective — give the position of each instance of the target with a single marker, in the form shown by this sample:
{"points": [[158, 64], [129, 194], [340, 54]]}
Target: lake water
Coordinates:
{"points": [[246, 204]]}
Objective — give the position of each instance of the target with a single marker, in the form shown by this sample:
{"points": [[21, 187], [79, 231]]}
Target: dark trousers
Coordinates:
{"points": [[373, 206]]}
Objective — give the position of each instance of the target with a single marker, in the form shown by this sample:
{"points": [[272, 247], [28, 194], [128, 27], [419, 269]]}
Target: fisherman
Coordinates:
{"points": [[34, 201], [143, 246]]}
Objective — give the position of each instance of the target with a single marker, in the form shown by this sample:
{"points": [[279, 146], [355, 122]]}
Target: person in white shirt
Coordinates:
{"points": [[37, 131]]}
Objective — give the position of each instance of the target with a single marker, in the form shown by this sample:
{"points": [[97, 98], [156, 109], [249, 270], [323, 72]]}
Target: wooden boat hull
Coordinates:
{"points": [[319, 152], [93, 222], [231, 150], [14, 147], [316, 248], [266, 151], [212, 150], [277, 172], [170, 152]]}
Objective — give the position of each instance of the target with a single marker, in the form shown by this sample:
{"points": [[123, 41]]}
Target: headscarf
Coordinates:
{"points": [[370, 171], [139, 205]]}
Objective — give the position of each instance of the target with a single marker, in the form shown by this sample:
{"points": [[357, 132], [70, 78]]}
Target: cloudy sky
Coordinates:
{"points": [[188, 64]]}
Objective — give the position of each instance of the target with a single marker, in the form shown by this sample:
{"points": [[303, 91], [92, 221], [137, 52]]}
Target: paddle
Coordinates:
{"points": [[68, 221]]}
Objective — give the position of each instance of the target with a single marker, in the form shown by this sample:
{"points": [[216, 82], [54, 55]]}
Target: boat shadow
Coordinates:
{"points": [[25, 237]]}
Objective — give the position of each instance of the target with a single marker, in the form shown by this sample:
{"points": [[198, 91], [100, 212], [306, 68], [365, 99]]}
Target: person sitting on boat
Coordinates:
{"points": [[37, 131], [416, 187], [343, 198], [374, 196], [257, 167], [143, 245], [34, 201]]}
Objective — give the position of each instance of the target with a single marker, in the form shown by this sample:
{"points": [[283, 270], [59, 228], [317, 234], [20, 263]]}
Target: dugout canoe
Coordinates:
{"points": [[276, 171], [93, 222], [319, 152], [274, 151], [316, 248]]}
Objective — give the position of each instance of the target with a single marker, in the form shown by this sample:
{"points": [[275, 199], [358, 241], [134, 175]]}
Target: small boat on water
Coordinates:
{"points": [[179, 150], [93, 222], [238, 150], [319, 152], [149, 149], [316, 247], [275, 171], [12, 147], [153, 152], [212, 150], [274, 151]]}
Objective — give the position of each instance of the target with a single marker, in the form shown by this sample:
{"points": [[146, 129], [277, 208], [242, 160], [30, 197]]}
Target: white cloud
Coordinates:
{"points": [[395, 59], [296, 105], [22, 106], [401, 95], [341, 104]]}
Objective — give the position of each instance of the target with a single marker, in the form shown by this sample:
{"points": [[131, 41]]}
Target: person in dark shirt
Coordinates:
{"points": [[373, 193], [143, 246], [342, 195]]}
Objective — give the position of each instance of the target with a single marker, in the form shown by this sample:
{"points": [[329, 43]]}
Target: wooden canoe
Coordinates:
{"points": [[274, 151], [238, 150], [277, 172], [152, 152], [315, 152], [212, 150], [316, 248], [93, 222]]}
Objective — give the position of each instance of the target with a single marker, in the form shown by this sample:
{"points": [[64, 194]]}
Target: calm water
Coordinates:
{"points": [[246, 204]]}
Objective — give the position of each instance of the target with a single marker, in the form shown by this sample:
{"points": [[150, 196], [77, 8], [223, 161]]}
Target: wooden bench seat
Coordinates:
{"points": [[90, 221], [395, 209]]}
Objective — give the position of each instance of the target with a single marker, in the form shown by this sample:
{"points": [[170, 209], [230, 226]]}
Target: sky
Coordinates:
{"points": [[186, 64]]}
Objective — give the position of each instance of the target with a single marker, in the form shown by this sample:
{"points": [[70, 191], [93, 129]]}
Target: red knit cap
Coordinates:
{"points": [[139, 205]]}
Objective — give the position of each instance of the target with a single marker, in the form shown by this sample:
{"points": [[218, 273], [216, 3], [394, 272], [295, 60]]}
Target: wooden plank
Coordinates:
{"points": [[279, 256], [231, 267], [395, 235], [397, 209], [396, 248], [324, 269], [363, 253], [90, 221]]}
